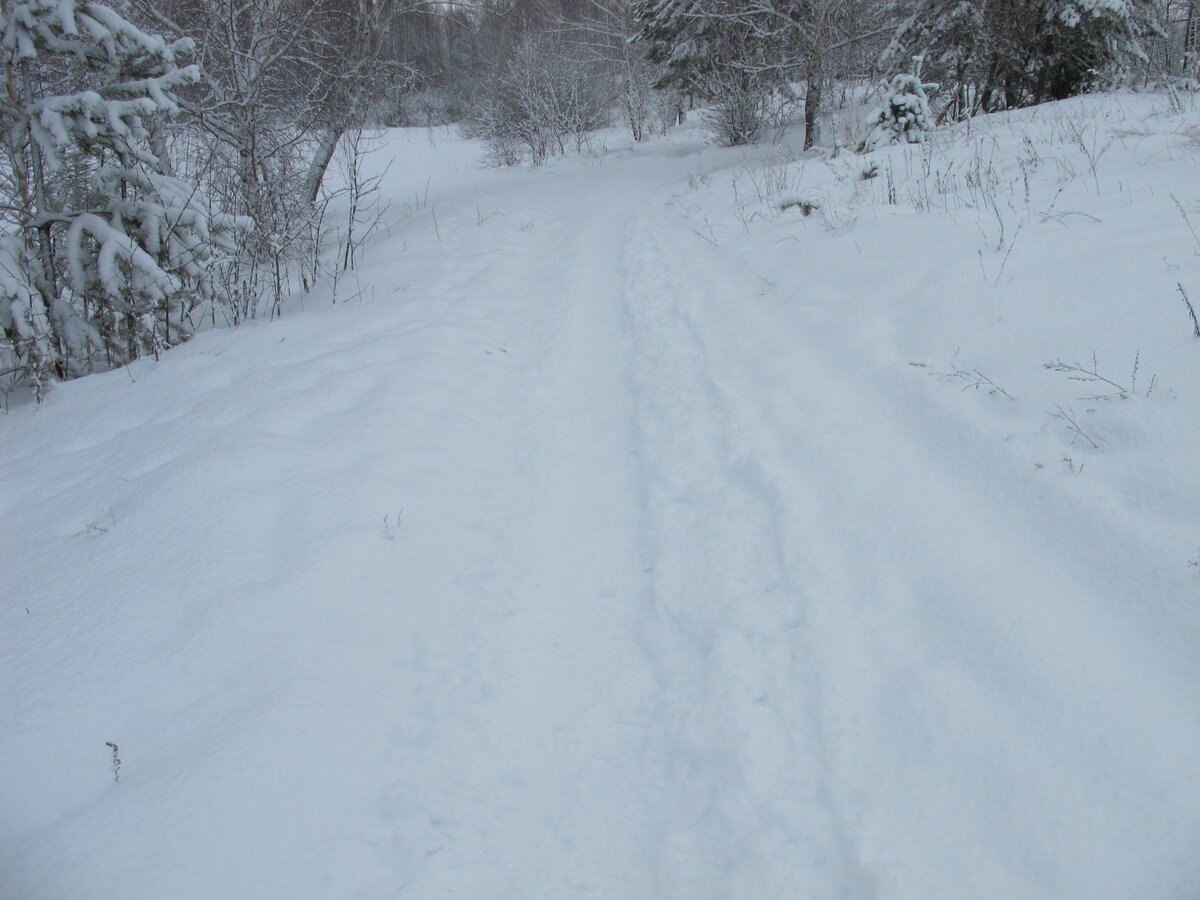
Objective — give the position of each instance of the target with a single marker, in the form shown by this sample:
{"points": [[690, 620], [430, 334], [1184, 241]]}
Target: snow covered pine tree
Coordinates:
{"points": [[103, 255], [992, 56], [904, 116]]}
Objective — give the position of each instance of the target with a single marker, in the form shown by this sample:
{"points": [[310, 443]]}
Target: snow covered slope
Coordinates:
{"points": [[630, 534]]}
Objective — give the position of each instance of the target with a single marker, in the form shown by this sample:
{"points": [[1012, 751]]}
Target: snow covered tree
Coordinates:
{"points": [[1082, 40], [727, 51], [741, 53], [1173, 50], [104, 255], [904, 115], [600, 33], [284, 81], [541, 99], [997, 54], [256, 117]]}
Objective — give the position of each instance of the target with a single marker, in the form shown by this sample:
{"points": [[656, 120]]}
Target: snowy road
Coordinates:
{"points": [[590, 552]]}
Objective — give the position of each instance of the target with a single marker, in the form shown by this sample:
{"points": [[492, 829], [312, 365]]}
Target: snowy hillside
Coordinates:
{"points": [[625, 532]]}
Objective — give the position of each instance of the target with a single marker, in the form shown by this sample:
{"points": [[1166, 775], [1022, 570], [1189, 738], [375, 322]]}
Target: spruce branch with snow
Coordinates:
{"points": [[105, 256]]}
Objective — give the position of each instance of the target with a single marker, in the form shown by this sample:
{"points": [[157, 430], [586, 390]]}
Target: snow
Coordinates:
{"points": [[617, 534]]}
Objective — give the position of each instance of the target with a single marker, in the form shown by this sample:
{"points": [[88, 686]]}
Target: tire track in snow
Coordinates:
{"points": [[736, 752]]}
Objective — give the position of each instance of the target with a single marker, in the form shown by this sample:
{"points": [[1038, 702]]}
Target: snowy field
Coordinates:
{"points": [[624, 532]]}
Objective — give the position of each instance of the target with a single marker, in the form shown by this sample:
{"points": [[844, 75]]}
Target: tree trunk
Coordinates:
{"points": [[47, 284], [326, 147], [1191, 39], [812, 99], [158, 146]]}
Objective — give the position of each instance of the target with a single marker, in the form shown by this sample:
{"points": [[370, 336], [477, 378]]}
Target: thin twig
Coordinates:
{"points": [[976, 379], [1186, 220], [1083, 374], [1191, 310], [1068, 416]]}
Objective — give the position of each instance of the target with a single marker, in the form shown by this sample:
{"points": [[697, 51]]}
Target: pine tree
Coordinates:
{"points": [[104, 255], [998, 54], [904, 116]]}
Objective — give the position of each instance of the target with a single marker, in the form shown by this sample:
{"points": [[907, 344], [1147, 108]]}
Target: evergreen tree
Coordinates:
{"points": [[904, 115], [997, 54], [104, 255]]}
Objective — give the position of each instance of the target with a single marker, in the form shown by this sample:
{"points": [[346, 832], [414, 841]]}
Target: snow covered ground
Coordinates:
{"points": [[622, 534]]}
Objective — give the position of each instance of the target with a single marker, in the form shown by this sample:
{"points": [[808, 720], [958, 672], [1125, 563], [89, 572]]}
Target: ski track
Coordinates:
{"points": [[747, 812]]}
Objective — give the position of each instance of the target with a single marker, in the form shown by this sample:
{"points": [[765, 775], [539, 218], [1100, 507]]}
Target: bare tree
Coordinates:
{"points": [[541, 100], [1174, 46], [601, 33], [284, 81]]}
